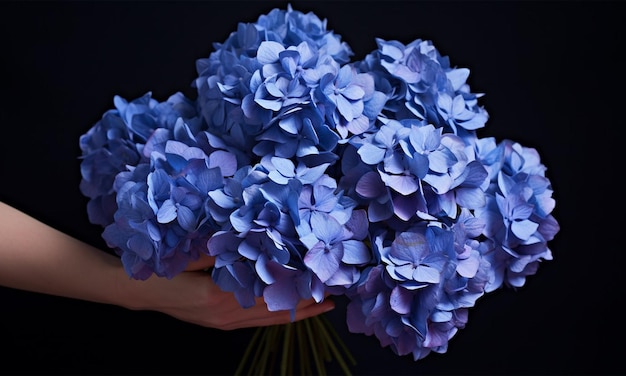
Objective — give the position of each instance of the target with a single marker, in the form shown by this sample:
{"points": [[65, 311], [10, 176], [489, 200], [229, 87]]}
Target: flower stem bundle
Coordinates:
{"points": [[311, 343]]}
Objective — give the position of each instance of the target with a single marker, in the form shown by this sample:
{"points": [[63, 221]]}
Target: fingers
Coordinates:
{"points": [[258, 315], [203, 262]]}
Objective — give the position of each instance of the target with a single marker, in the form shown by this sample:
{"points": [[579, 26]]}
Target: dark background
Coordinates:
{"points": [[552, 79]]}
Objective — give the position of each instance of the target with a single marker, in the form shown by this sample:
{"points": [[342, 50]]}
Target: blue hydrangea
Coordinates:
{"points": [[116, 141], [280, 216], [517, 213], [161, 221], [307, 175], [417, 297], [421, 84], [283, 86]]}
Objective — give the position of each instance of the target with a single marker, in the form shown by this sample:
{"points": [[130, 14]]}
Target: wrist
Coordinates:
{"points": [[127, 291]]}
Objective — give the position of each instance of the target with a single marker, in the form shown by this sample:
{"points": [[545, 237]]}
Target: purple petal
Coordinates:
{"points": [[359, 125], [405, 207], [326, 228], [401, 300], [467, 268], [226, 161], [403, 184], [370, 185], [379, 211], [324, 264], [281, 296]]}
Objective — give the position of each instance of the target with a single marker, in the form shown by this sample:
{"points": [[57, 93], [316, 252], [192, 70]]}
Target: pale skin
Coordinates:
{"points": [[39, 258]]}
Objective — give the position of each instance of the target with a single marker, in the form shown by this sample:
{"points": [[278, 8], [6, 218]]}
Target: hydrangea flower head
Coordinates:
{"points": [[116, 141], [517, 213]]}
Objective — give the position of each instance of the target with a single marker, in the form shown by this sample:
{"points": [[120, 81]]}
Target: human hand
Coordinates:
{"points": [[193, 296]]}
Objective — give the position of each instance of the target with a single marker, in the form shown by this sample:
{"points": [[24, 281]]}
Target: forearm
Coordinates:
{"points": [[36, 257]]}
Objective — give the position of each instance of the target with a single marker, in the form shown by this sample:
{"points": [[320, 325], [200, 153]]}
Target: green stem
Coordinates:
{"points": [[246, 355], [328, 340], [286, 347], [324, 344], [257, 353], [313, 346], [265, 350], [337, 339], [305, 366], [322, 339]]}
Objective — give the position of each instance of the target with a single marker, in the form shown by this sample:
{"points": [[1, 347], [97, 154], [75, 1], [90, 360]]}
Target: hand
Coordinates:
{"points": [[193, 296]]}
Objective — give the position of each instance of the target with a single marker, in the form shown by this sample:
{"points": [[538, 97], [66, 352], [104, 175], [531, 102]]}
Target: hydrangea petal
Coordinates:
{"points": [[355, 252], [371, 154], [324, 264], [524, 229], [269, 51]]}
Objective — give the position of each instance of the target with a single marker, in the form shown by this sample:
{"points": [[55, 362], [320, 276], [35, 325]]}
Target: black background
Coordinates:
{"points": [[552, 79]]}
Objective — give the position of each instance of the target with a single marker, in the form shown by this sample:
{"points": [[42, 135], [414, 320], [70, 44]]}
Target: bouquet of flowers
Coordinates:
{"points": [[307, 175]]}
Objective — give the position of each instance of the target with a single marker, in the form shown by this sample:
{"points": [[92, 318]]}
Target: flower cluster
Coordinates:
{"points": [[307, 175]]}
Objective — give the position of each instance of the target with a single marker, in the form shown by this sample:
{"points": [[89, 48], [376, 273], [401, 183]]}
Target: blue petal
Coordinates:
{"points": [[470, 198], [355, 252], [359, 125], [345, 108], [284, 166], [377, 211], [278, 178], [467, 268], [269, 51], [410, 246], [424, 273], [223, 200], [371, 154], [242, 220], [273, 105], [140, 245], [353, 92], [524, 229], [458, 77], [310, 175], [186, 218], [167, 212]]}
